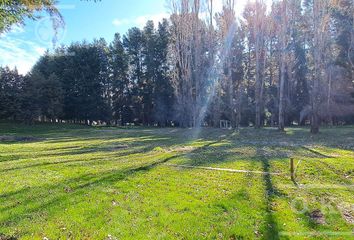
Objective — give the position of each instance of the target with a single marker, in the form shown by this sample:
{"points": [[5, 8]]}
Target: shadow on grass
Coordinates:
{"points": [[218, 154], [271, 227], [316, 152], [29, 201], [115, 157], [138, 145], [26, 202]]}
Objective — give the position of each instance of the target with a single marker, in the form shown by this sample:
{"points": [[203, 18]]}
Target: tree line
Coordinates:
{"points": [[290, 63]]}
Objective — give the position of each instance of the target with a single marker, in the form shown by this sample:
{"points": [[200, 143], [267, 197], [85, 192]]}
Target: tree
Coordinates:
{"points": [[284, 67], [319, 19], [30, 97], [120, 81], [230, 92], [192, 61], [259, 33], [163, 97], [50, 97], [150, 66], [10, 92], [298, 92], [255, 15], [283, 61], [133, 44], [104, 79]]}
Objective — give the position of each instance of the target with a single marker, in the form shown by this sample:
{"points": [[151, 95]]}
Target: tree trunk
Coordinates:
{"points": [[259, 48], [329, 94], [281, 98], [258, 86], [281, 123], [314, 123]]}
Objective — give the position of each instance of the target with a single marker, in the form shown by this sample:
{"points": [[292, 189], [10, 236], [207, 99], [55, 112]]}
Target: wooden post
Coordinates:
{"points": [[292, 170]]}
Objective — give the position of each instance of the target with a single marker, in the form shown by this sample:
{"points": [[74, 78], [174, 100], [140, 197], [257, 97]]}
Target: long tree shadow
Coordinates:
{"points": [[271, 228], [317, 153], [137, 145], [31, 200], [117, 155], [26, 198], [214, 153]]}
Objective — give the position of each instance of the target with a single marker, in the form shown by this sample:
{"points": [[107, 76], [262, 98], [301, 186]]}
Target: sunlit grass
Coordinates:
{"points": [[75, 182]]}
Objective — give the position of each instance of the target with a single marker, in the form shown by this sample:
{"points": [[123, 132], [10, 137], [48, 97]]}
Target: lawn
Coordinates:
{"points": [[77, 182]]}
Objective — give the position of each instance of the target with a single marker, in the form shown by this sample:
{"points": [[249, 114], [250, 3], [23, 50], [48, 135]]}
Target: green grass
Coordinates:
{"points": [[75, 182]]}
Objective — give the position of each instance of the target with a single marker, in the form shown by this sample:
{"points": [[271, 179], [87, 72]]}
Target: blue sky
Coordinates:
{"points": [[84, 20], [23, 45]]}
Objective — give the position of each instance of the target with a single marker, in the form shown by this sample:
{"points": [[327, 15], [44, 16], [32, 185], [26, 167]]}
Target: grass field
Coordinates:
{"points": [[76, 182]]}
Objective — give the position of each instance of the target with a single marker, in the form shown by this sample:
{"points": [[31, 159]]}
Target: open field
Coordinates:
{"points": [[76, 182]]}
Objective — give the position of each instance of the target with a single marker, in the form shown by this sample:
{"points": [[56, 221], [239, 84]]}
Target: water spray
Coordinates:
{"points": [[213, 77]]}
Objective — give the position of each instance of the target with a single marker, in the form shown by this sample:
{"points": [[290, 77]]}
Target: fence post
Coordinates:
{"points": [[292, 170]]}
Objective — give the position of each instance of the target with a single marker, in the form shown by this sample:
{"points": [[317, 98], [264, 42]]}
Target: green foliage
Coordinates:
{"points": [[119, 80], [163, 95], [51, 97], [10, 93], [30, 97], [123, 82], [158, 76], [16, 11]]}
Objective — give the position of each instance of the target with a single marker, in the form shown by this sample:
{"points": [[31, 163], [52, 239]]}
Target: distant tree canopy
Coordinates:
{"points": [[291, 65]]}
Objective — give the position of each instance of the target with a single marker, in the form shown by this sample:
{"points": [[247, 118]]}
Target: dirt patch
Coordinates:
{"points": [[68, 189], [347, 212], [348, 216], [121, 146], [18, 139], [221, 169], [183, 149], [317, 217], [5, 237], [114, 203]]}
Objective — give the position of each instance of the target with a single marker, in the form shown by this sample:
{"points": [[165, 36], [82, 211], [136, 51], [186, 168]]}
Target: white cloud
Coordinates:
{"points": [[119, 22], [140, 21], [16, 29], [40, 50], [156, 18], [19, 53]]}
